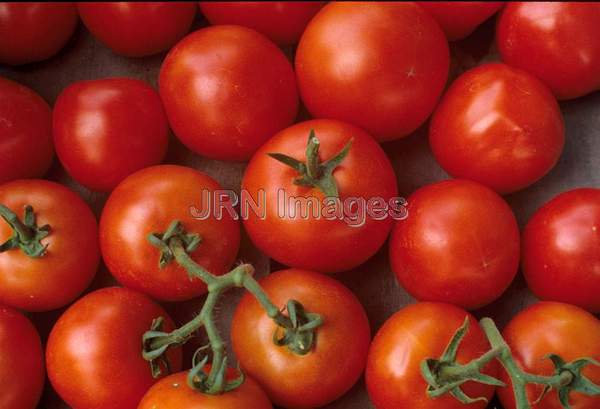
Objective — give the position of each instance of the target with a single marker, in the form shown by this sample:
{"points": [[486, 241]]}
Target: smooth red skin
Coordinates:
{"points": [[413, 334], [226, 90], [561, 249], [338, 358], [282, 21], [498, 126], [319, 244], [26, 147], [94, 352], [545, 328], [106, 129], [557, 42], [21, 361], [173, 392], [380, 66], [147, 202], [138, 29], [459, 244], [57, 278], [31, 32]]}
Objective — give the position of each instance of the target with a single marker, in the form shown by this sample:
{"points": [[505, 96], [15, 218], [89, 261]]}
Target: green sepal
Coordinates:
{"points": [[27, 235], [300, 337], [579, 383], [157, 358], [199, 380], [190, 241]]}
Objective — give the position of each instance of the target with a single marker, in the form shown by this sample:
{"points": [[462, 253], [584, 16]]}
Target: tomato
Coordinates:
{"points": [[413, 334], [138, 29], [458, 19], [26, 147], [561, 249], [107, 129], [94, 352], [226, 90], [282, 21], [147, 202], [557, 42], [380, 66], [21, 362], [31, 32], [459, 244], [302, 238], [498, 126], [546, 328], [340, 352], [57, 277]]}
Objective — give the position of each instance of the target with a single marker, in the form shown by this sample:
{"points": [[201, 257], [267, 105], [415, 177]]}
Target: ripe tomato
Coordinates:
{"points": [[561, 249], [557, 42], [226, 90], [340, 352], [415, 333], [546, 328], [498, 126], [147, 202], [282, 21], [21, 362], [57, 277], [26, 147], [302, 238], [31, 32], [459, 244], [107, 129], [94, 352], [138, 29], [381, 66]]}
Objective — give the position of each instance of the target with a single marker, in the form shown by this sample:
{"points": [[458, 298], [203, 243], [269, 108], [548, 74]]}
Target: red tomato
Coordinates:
{"points": [[94, 352], [26, 148], [381, 66], [226, 90], [340, 352], [459, 244], [415, 333], [546, 328], [147, 202], [556, 41], [282, 21], [21, 362], [302, 239], [458, 19], [137, 29], [31, 32], [561, 249], [72, 255], [107, 129], [498, 126]]}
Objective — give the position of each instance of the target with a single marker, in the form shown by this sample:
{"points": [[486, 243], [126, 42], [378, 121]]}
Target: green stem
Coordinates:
{"points": [[27, 235]]}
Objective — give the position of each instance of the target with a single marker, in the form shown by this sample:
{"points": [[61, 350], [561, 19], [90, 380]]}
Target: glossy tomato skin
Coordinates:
{"points": [[459, 244], [545, 328], [459, 19], [282, 21], [70, 263], [380, 66], [94, 352], [147, 202], [498, 126], [21, 361], [137, 29], [226, 90], [26, 147], [413, 334], [339, 356], [561, 249], [557, 42], [317, 243], [107, 129], [31, 32]]}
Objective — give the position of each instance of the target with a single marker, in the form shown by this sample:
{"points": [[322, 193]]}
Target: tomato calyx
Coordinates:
{"points": [[27, 235], [313, 172], [300, 336], [190, 241]]}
